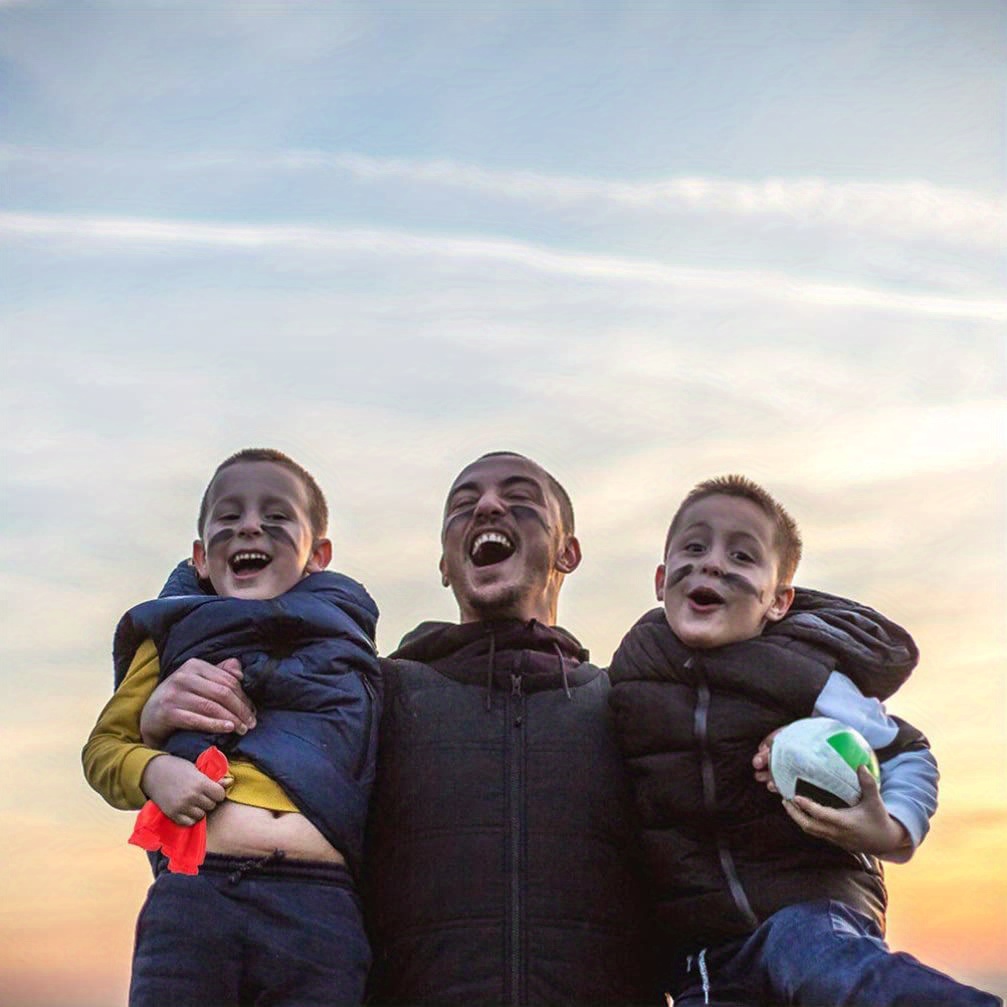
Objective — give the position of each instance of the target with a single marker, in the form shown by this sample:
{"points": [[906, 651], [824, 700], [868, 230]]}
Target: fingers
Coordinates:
{"points": [[232, 666], [204, 797], [868, 785], [202, 697]]}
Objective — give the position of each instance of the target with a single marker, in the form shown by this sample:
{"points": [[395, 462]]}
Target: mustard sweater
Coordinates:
{"points": [[115, 756]]}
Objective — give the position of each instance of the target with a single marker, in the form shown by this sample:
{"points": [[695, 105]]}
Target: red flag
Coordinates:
{"points": [[183, 845]]}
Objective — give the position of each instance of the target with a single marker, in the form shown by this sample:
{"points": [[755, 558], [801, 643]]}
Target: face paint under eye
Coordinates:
{"points": [[523, 513], [735, 580], [222, 536], [683, 571], [458, 515], [280, 534]]}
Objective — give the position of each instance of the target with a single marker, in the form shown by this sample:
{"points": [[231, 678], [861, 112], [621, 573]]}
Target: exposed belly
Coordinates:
{"points": [[243, 831]]}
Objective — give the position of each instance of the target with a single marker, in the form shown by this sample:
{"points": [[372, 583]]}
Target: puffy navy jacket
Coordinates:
{"points": [[722, 853], [501, 862], [309, 666]]}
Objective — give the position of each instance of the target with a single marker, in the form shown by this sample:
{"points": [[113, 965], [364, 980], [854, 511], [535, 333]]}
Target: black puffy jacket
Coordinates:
{"points": [[722, 853], [501, 863]]}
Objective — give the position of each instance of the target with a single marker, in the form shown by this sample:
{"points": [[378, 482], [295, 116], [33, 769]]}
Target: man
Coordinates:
{"points": [[501, 866]]}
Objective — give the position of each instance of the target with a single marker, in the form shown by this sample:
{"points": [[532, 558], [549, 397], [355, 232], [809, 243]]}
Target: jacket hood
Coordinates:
{"points": [[492, 652], [876, 653]]}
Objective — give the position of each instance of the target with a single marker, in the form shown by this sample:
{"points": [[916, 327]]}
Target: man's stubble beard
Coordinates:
{"points": [[500, 605]]}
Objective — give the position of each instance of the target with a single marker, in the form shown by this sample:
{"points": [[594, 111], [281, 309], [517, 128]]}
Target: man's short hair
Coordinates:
{"points": [[787, 538], [318, 510], [561, 495]]}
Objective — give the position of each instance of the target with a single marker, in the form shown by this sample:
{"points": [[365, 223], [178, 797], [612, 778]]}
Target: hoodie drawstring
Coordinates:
{"points": [[562, 668], [704, 973], [489, 670]]}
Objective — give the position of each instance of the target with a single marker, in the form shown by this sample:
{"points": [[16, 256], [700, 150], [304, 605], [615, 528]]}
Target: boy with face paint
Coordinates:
{"points": [[273, 911], [753, 907]]}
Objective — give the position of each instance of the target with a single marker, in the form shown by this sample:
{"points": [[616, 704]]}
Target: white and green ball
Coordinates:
{"points": [[818, 758]]}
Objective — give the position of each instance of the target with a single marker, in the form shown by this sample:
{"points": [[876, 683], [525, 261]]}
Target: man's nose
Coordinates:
{"points": [[489, 504]]}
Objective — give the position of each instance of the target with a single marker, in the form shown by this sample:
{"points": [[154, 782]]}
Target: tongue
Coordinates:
{"points": [[249, 565], [491, 552]]}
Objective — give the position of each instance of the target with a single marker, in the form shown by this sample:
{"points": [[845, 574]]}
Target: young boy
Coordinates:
{"points": [[273, 914], [751, 909]]}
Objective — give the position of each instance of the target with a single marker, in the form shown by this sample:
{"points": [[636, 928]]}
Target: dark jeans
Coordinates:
{"points": [[250, 932], [822, 954]]}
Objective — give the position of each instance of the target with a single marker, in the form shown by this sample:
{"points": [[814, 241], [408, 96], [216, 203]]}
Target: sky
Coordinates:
{"points": [[643, 243]]}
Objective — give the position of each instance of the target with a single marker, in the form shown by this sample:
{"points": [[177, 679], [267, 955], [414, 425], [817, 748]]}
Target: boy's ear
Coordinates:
{"points": [[321, 556], [199, 559], [782, 601], [569, 556], [443, 567], [659, 574]]}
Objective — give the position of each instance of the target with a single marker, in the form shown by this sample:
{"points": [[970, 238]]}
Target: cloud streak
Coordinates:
{"points": [[893, 208], [86, 232]]}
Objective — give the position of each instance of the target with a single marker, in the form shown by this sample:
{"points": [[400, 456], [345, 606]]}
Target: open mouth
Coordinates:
{"points": [[491, 547], [705, 596], [249, 562]]}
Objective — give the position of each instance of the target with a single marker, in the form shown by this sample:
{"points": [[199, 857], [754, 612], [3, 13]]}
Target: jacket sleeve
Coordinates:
{"points": [[309, 679], [114, 756], [909, 771]]}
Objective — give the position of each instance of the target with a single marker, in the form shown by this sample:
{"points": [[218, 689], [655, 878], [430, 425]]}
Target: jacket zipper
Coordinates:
{"points": [[365, 750], [517, 751], [700, 730]]}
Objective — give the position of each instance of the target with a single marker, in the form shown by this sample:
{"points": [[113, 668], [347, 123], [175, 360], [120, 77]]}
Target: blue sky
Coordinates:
{"points": [[643, 243]]}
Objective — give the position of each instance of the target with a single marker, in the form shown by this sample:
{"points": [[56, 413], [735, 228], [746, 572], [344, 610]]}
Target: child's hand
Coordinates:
{"points": [[865, 828], [760, 761], [179, 789]]}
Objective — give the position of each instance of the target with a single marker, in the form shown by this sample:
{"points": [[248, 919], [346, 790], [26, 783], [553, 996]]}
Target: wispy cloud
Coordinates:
{"points": [[84, 232], [893, 208]]}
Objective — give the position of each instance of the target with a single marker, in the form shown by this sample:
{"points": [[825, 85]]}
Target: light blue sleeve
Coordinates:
{"points": [[908, 778]]}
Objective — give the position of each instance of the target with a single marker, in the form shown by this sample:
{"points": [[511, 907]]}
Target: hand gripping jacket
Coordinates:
{"points": [[722, 853], [501, 864], [309, 666]]}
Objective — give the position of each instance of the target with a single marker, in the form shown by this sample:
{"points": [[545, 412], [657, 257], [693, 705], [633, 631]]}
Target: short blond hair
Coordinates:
{"points": [[787, 538], [318, 510]]}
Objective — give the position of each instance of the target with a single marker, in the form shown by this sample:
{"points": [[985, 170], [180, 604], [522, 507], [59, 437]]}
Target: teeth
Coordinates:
{"points": [[245, 557], [490, 536]]}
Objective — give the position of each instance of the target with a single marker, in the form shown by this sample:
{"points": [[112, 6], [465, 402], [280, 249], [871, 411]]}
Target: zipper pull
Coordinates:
{"points": [[515, 685]]}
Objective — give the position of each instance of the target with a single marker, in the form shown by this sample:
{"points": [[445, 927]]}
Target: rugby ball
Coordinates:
{"points": [[818, 758]]}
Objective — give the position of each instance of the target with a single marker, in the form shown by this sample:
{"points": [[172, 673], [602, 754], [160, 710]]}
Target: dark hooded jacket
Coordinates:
{"points": [[501, 865], [722, 853], [308, 663]]}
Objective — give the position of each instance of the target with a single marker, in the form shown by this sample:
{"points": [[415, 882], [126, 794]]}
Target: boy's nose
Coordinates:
{"points": [[250, 524]]}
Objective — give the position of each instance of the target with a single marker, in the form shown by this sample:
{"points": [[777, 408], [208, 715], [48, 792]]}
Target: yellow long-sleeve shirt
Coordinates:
{"points": [[115, 756]]}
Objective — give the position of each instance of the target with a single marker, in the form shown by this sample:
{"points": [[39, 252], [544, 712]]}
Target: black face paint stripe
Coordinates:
{"points": [[735, 580], [219, 538], [275, 531], [520, 512], [683, 571], [523, 513]]}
